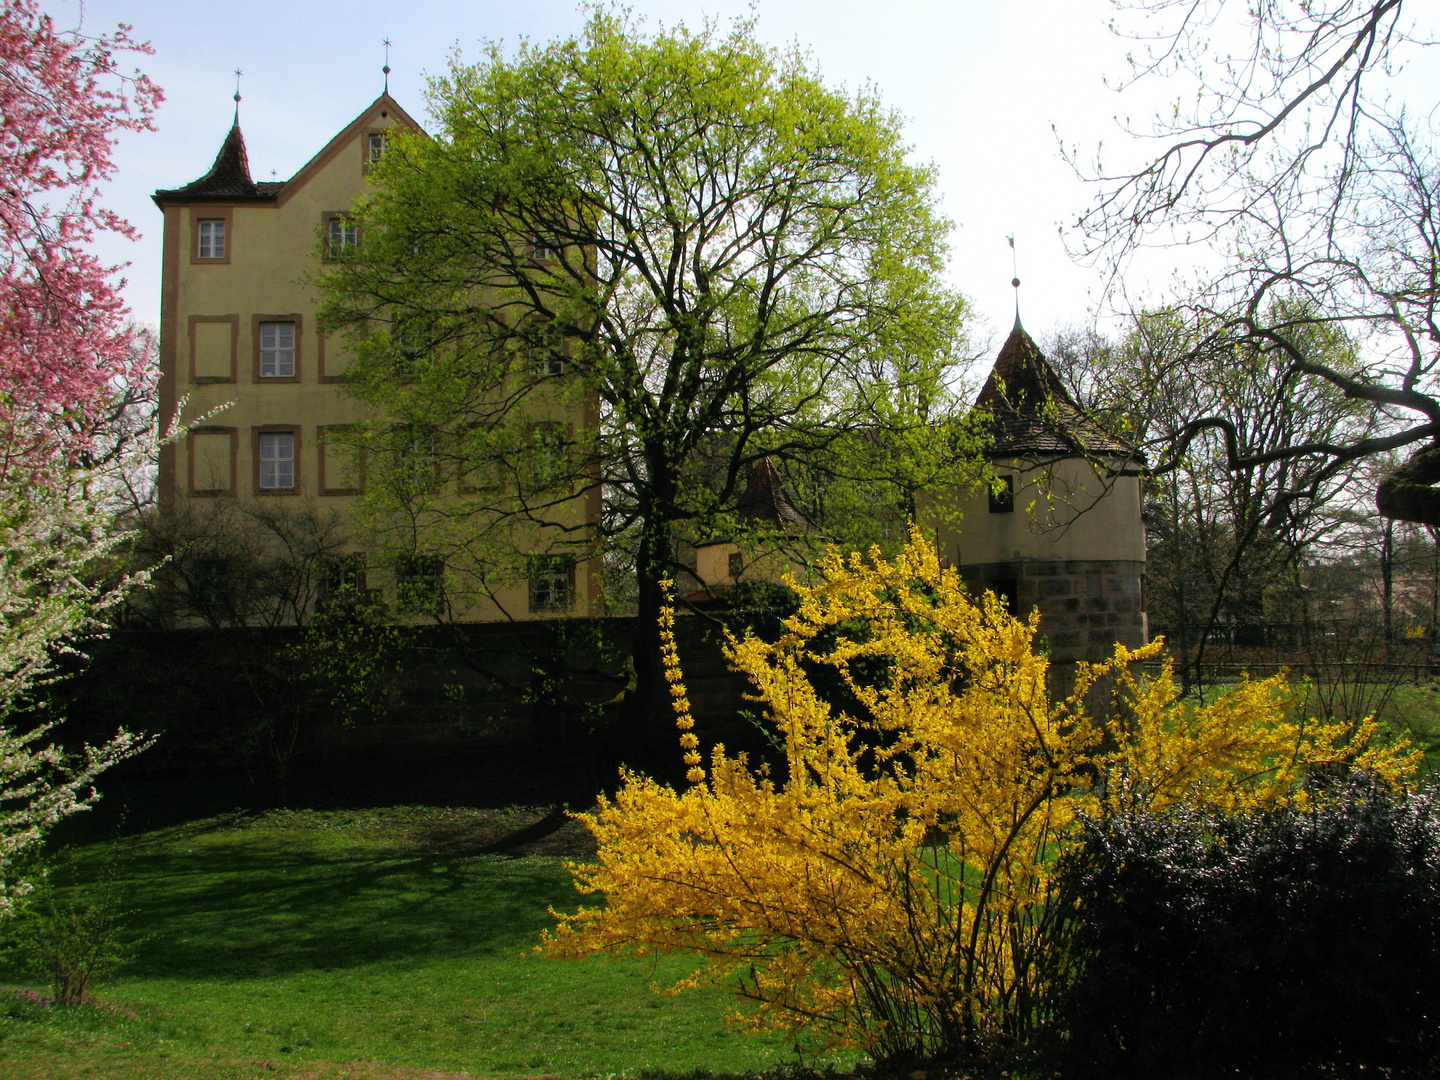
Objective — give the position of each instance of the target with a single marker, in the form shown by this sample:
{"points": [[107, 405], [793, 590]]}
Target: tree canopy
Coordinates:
{"points": [[683, 238]]}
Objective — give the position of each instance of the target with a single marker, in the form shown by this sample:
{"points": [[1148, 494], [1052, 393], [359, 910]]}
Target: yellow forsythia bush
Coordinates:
{"points": [[892, 889]]}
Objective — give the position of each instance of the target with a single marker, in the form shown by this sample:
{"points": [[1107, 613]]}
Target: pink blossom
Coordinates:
{"points": [[66, 342]]}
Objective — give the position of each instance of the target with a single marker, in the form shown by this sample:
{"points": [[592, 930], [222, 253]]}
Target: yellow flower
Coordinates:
{"points": [[900, 863]]}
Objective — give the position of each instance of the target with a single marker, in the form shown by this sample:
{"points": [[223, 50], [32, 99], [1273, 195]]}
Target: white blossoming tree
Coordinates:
{"points": [[57, 533]]}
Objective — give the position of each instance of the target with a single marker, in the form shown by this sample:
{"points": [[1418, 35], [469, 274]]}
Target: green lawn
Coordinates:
{"points": [[362, 944]]}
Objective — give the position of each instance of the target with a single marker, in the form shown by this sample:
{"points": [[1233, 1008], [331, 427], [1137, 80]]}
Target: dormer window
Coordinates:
{"points": [[210, 238]]}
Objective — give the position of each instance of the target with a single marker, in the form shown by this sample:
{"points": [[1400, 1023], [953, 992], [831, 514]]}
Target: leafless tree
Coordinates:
{"points": [[1296, 159], [1222, 541]]}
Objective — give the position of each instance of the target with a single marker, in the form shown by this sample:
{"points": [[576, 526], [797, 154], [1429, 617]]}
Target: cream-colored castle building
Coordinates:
{"points": [[238, 329]]}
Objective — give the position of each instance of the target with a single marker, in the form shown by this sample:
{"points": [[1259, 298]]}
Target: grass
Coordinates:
{"points": [[362, 944]]}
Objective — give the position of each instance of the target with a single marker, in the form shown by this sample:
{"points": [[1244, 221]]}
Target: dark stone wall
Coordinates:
{"points": [[1086, 605], [482, 714]]}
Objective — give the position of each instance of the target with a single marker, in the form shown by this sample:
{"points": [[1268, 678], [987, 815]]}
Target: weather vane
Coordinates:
{"points": [[386, 69]]}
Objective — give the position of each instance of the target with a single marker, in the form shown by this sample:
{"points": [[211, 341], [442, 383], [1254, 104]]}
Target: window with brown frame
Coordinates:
{"points": [[1002, 498], [552, 583], [277, 347], [276, 450], [374, 147], [342, 235], [210, 238], [420, 584], [342, 581], [544, 248], [547, 455], [212, 235]]}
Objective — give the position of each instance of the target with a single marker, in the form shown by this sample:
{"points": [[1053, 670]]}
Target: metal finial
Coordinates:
{"points": [[1015, 280], [386, 69], [238, 73]]}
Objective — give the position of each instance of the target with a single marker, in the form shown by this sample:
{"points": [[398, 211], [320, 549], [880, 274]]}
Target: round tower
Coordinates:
{"points": [[1061, 530]]}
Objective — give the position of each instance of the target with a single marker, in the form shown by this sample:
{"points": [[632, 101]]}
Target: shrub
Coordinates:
{"points": [[74, 934], [894, 889], [1305, 931]]}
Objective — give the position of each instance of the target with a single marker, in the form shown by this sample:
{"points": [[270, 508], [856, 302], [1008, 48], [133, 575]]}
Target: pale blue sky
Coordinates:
{"points": [[980, 82]]}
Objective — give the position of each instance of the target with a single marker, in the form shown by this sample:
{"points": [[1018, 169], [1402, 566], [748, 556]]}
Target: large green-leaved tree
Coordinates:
{"points": [[629, 266]]}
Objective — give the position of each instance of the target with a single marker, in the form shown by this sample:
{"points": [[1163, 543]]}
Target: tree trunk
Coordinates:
{"points": [[1387, 579], [1407, 494], [652, 714]]}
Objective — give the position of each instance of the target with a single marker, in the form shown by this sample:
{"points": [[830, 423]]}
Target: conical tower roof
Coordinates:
{"points": [[1031, 412], [228, 179], [766, 501]]}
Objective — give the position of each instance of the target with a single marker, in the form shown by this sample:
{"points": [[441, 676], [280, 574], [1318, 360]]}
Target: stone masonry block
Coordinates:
{"points": [[1054, 587]]}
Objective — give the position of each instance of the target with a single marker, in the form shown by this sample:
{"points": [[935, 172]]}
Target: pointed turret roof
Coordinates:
{"points": [[228, 179], [766, 501], [1031, 412]]}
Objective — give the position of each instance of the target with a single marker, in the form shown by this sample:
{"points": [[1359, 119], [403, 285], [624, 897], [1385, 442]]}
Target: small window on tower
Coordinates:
{"points": [[210, 239], [1002, 496]]}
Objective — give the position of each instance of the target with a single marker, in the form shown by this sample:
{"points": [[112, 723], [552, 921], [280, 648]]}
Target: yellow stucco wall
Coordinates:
{"points": [[1064, 510], [209, 351]]}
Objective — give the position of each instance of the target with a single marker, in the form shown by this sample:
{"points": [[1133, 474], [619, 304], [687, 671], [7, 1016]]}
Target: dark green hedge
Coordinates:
{"points": [[1207, 944]]}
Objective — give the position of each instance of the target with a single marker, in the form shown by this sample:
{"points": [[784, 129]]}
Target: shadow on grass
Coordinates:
{"points": [[237, 906]]}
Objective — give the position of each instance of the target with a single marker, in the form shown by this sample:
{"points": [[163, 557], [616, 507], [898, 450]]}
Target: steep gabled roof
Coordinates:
{"points": [[228, 179], [1031, 412], [765, 500], [382, 107]]}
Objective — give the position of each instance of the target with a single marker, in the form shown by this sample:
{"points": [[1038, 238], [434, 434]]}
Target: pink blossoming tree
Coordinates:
{"points": [[69, 360], [67, 347]]}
